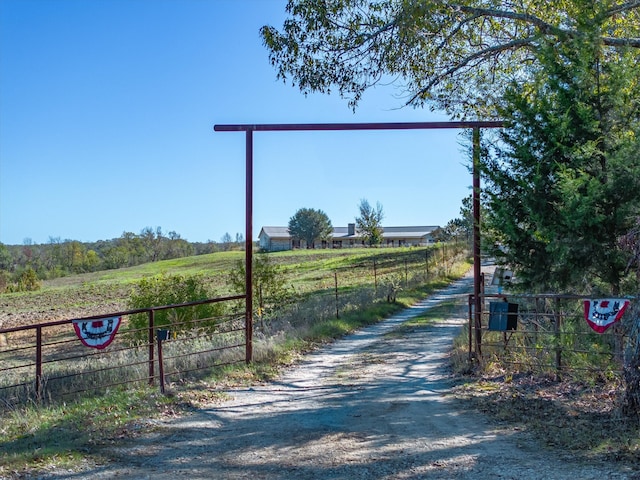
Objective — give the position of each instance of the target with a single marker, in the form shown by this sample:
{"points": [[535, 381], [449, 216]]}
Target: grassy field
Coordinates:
{"points": [[307, 270], [301, 265]]}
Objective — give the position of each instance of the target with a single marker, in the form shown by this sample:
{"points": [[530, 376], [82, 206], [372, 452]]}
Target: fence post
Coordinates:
{"points": [[536, 324], [556, 330], [335, 274], [406, 274], [479, 318], [161, 335], [151, 346], [426, 260], [470, 302], [38, 362], [375, 275]]}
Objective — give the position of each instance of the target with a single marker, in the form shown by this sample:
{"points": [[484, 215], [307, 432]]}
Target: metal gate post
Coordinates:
{"points": [[248, 281], [476, 241], [151, 346]]}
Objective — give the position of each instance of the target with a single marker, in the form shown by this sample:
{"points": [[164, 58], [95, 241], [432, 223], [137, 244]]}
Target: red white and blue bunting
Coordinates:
{"points": [[97, 333], [602, 313]]}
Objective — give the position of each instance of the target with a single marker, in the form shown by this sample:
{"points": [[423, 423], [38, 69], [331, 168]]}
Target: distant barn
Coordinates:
{"points": [[274, 239]]}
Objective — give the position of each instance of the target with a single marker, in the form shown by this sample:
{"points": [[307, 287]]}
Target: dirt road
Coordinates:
{"points": [[375, 405]]}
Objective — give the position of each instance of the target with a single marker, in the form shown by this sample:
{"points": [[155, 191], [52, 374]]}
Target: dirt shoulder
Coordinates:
{"points": [[377, 404]]}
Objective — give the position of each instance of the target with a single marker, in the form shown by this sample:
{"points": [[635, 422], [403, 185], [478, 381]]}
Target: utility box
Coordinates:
{"points": [[162, 334], [503, 316]]}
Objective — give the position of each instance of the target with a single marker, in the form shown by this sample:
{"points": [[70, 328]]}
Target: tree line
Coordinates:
{"points": [[22, 267]]}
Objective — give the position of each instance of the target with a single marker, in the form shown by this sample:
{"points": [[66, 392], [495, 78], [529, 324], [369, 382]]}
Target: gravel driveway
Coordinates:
{"points": [[373, 405]]}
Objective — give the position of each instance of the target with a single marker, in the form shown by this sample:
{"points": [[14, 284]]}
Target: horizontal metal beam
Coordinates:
{"points": [[291, 127]]}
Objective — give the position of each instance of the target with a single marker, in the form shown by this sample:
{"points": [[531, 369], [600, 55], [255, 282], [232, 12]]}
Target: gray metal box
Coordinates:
{"points": [[503, 316]]}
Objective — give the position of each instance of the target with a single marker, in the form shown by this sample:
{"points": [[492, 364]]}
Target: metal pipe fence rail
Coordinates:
{"points": [[48, 361], [548, 336]]}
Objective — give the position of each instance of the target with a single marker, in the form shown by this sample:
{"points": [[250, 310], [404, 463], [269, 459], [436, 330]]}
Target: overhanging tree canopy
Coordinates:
{"points": [[457, 56]]}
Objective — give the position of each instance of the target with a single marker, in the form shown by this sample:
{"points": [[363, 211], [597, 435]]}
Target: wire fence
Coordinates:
{"points": [[51, 361], [54, 360], [379, 277], [545, 335]]}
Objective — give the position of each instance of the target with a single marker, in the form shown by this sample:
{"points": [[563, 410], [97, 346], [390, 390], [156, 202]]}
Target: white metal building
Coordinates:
{"points": [[274, 239]]}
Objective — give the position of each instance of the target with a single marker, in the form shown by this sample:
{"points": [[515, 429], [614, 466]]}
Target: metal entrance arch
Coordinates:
{"points": [[291, 127]]}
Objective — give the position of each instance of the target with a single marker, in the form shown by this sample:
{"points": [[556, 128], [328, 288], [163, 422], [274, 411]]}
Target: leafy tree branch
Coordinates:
{"points": [[453, 55]]}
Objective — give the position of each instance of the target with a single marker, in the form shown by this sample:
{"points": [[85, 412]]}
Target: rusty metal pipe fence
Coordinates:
{"points": [[48, 361], [547, 336]]}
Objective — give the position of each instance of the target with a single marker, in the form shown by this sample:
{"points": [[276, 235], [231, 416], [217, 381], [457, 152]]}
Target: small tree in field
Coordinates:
{"points": [[270, 289], [369, 223], [28, 281], [310, 225]]}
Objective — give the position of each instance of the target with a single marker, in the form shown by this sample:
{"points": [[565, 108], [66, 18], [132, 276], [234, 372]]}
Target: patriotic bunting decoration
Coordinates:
{"points": [[97, 333], [601, 314]]}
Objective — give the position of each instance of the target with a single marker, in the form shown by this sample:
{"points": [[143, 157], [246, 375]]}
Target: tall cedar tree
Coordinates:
{"points": [[565, 182]]}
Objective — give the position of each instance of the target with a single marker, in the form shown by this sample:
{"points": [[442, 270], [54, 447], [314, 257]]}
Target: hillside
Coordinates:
{"points": [[107, 291]]}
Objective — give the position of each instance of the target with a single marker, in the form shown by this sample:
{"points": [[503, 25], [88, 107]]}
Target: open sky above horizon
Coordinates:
{"points": [[107, 110]]}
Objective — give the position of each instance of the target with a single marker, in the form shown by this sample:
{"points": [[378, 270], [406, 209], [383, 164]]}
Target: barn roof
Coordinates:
{"points": [[276, 232]]}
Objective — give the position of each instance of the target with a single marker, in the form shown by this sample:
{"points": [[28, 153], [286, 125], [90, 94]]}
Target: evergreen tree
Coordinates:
{"points": [[565, 182]]}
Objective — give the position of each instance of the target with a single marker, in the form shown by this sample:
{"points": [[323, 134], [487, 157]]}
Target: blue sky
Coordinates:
{"points": [[107, 110]]}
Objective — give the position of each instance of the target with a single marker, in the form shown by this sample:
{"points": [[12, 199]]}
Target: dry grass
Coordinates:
{"points": [[580, 419]]}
